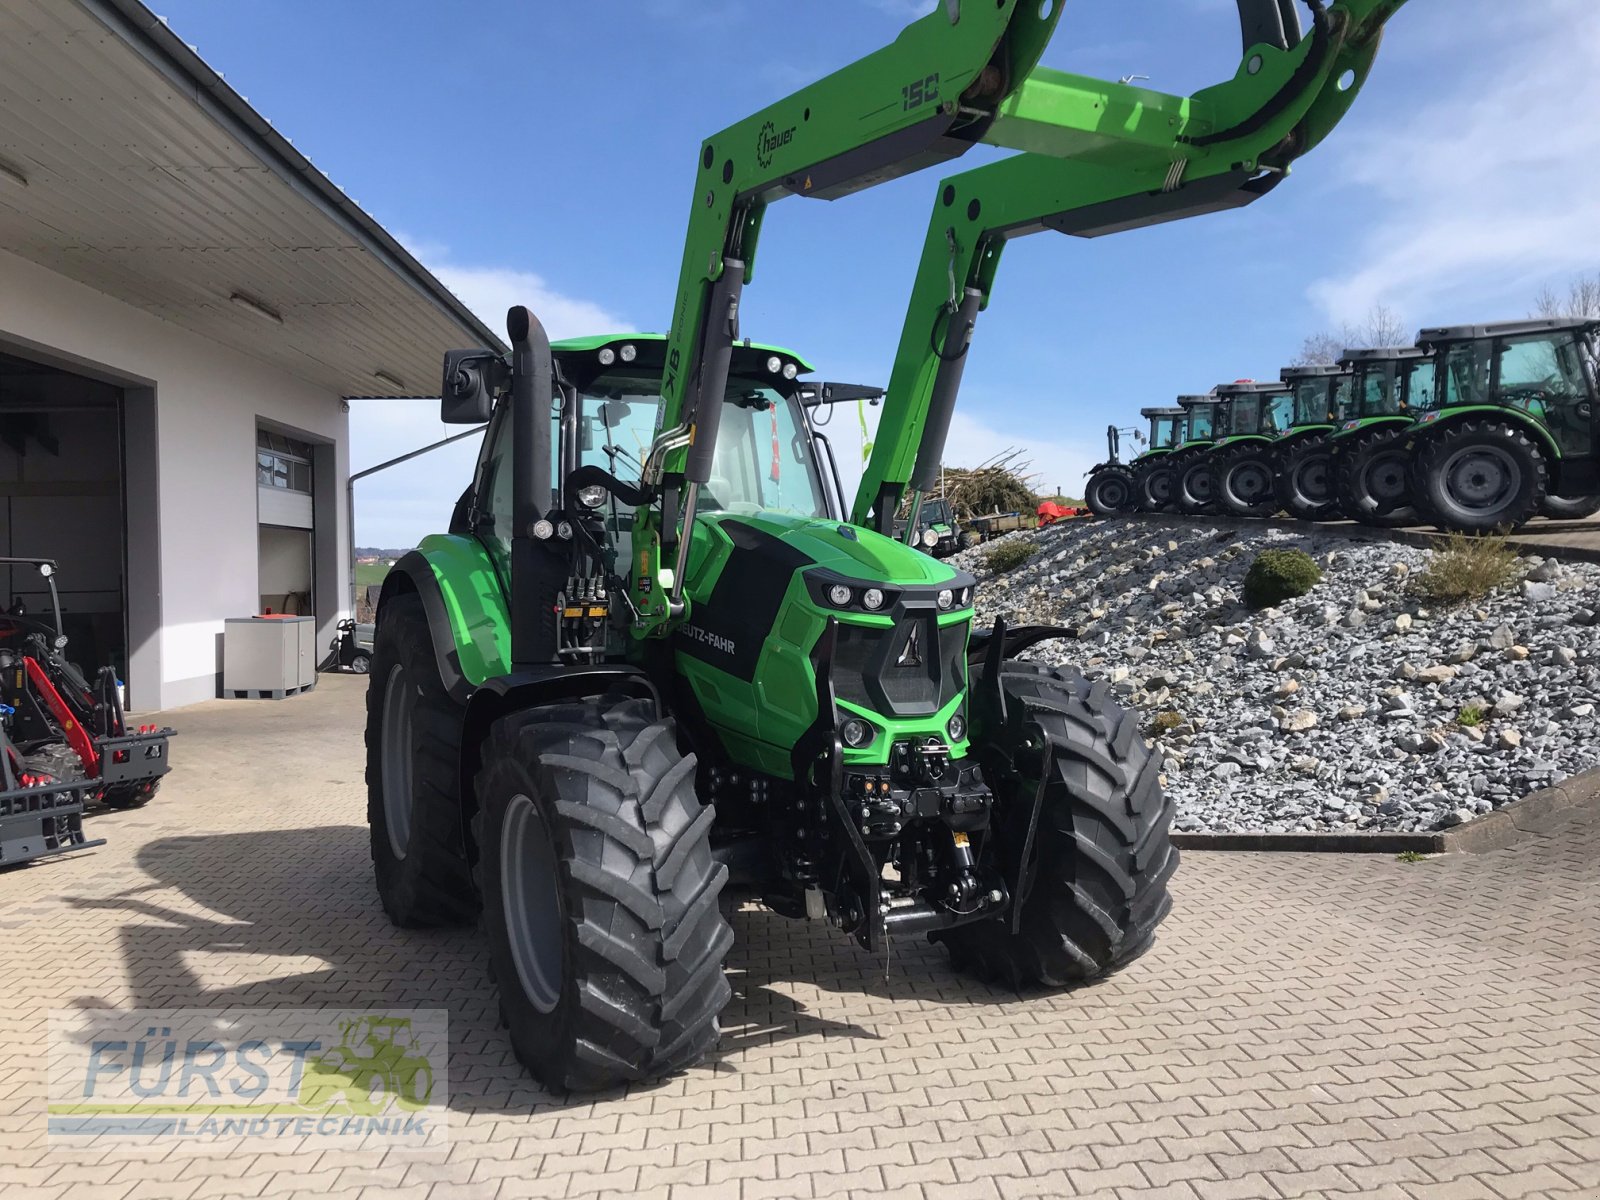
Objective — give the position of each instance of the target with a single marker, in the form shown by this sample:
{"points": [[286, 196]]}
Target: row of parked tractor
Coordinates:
{"points": [[1475, 429]]}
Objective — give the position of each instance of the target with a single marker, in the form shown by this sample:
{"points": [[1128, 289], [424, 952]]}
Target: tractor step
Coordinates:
{"points": [[46, 819]]}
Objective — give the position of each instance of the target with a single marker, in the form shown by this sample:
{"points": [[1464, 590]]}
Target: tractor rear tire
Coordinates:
{"points": [[1095, 887], [1196, 492], [1158, 486], [1559, 508], [1112, 492], [600, 894], [1373, 481], [970, 539], [419, 852], [1245, 479], [1305, 483], [1481, 477]]}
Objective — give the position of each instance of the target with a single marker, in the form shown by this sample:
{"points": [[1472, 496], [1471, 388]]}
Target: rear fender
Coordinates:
{"points": [[1433, 422]]}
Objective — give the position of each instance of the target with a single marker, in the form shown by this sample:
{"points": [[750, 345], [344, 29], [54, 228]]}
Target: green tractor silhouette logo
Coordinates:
{"points": [[373, 1068]]}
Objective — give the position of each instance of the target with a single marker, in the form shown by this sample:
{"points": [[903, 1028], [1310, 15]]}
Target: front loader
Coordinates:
{"points": [[1322, 403], [1509, 429], [650, 655], [1245, 462]]}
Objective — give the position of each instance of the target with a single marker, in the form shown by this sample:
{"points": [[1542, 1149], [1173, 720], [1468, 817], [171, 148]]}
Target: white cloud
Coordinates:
{"points": [[490, 290], [1490, 190]]}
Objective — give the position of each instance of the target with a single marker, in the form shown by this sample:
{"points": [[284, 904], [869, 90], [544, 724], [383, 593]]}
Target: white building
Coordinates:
{"points": [[186, 303]]}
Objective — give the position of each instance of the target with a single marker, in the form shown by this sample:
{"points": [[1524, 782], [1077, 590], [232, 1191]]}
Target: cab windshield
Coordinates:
{"points": [[1280, 413], [1246, 417], [1311, 401], [763, 460], [1464, 376], [1418, 381], [1379, 395], [936, 512], [1165, 432], [1202, 421]]}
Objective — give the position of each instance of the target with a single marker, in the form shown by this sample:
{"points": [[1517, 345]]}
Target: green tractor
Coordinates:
{"points": [[1245, 462], [1161, 487], [938, 532], [1509, 430], [652, 655], [1370, 453], [1304, 468], [1116, 488]]}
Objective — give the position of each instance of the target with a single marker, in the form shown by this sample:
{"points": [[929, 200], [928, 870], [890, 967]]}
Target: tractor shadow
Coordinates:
{"points": [[290, 918]]}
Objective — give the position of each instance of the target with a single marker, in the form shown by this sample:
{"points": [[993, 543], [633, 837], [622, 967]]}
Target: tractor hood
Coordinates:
{"points": [[845, 549]]}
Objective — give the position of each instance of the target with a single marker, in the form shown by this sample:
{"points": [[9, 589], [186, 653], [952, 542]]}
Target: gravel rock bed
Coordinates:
{"points": [[1336, 712]]}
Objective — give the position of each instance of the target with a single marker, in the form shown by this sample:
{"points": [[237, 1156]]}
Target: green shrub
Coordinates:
{"points": [[1470, 715], [1166, 722], [1468, 568], [1008, 556], [1279, 575]]}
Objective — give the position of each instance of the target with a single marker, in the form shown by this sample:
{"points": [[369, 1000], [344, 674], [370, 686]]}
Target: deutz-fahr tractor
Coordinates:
{"points": [[1245, 462], [1121, 488], [1508, 431], [938, 532], [1370, 453], [651, 654], [1203, 416], [1305, 470]]}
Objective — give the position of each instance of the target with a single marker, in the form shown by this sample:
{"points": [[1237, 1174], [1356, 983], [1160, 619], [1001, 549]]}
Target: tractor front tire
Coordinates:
{"points": [[1095, 886], [600, 894], [1197, 487], [419, 851], [1245, 478], [1560, 508], [1112, 492], [1480, 477], [1305, 483], [970, 539], [1373, 481], [1158, 487]]}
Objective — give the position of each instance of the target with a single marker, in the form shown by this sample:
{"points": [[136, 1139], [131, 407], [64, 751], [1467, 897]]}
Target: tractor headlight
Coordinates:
{"points": [[855, 733], [592, 496], [839, 595], [872, 598], [543, 530], [630, 352], [945, 598], [790, 370], [930, 538], [966, 597], [774, 365], [957, 729], [607, 356]]}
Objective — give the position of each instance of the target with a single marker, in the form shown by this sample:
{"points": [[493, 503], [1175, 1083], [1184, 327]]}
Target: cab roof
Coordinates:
{"points": [[1469, 333], [1311, 371], [1251, 388], [1382, 354], [1162, 412], [1191, 401]]}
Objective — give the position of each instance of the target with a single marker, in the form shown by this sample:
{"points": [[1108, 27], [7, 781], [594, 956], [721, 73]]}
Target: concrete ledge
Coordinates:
{"points": [[1538, 814], [1568, 541]]}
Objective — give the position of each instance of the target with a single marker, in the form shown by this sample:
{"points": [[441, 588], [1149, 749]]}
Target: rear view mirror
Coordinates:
{"points": [[472, 381]]}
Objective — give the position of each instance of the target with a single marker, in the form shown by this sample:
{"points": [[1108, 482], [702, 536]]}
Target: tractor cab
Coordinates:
{"points": [[1321, 395], [1168, 430], [1203, 417], [1390, 384], [1255, 410]]}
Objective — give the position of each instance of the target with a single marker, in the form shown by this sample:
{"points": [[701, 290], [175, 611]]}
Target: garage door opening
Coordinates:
{"points": [[61, 497]]}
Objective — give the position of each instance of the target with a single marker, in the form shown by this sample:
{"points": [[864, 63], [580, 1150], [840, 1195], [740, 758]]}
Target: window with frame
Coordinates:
{"points": [[282, 462]]}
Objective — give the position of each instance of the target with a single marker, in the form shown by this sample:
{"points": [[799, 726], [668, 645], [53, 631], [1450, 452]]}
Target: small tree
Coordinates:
{"points": [[1382, 327]]}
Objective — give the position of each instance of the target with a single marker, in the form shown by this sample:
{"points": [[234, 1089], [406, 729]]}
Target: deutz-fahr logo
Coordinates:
{"points": [[770, 141]]}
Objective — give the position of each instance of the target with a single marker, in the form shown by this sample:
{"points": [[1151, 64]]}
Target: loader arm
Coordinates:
{"points": [[1100, 158]]}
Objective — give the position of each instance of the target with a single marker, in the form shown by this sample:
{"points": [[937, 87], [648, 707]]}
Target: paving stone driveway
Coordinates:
{"points": [[1306, 1025]]}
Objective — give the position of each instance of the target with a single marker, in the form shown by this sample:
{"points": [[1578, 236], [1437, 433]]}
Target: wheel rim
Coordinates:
{"points": [[531, 903], [1159, 488], [399, 706], [1386, 479], [1112, 493], [1482, 479], [1314, 481], [1251, 483], [1199, 484], [361, 664]]}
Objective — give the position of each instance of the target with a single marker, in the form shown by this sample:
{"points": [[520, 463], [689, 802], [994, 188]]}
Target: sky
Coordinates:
{"points": [[542, 153]]}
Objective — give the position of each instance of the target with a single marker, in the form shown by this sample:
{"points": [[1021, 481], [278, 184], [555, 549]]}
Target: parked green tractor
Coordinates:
{"points": [[1116, 488], [1509, 430], [1304, 480], [1245, 462], [1163, 483], [1370, 453], [650, 654]]}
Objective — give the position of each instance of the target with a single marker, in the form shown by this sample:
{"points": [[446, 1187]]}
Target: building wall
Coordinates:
{"points": [[208, 400]]}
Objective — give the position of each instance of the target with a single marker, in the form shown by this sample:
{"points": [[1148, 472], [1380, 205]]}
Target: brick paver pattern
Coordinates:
{"points": [[1305, 1026]]}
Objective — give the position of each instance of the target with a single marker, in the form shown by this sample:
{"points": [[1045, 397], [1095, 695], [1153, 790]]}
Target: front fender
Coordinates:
{"points": [[465, 603]]}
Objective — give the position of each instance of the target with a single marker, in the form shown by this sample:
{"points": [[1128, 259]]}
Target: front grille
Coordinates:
{"points": [[886, 671]]}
